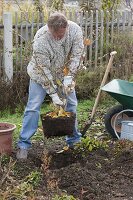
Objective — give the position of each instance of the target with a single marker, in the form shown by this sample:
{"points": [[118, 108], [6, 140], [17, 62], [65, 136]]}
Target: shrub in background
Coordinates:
{"points": [[123, 62], [26, 8], [88, 82], [88, 5], [14, 93]]}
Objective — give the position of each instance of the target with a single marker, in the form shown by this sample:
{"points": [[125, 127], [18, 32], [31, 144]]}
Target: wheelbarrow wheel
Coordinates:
{"points": [[110, 117]]}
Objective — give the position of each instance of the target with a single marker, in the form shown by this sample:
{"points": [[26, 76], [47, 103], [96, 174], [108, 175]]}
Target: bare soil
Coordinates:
{"points": [[99, 175]]}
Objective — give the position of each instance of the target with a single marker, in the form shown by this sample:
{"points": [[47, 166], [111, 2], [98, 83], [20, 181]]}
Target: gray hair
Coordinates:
{"points": [[57, 20]]}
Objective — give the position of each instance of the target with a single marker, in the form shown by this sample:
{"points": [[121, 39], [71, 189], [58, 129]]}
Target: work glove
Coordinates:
{"points": [[68, 83], [50, 87], [56, 100]]}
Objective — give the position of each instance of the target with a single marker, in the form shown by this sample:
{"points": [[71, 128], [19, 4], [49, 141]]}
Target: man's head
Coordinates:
{"points": [[57, 24]]}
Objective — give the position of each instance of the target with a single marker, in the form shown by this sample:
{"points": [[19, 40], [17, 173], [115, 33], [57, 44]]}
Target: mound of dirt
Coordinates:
{"points": [[98, 175]]}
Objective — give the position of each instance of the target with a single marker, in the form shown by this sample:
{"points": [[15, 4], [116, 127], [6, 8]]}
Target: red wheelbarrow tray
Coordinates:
{"points": [[120, 90]]}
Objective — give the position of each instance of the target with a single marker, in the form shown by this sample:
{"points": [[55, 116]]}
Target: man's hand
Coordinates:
{"points": [[68, 83], [56, 100]]}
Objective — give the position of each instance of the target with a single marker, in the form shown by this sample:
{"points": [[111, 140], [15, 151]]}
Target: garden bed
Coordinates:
{"points": [[48, 175]]}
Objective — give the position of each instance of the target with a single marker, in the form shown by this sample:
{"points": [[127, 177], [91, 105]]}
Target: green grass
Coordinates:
{"points": [[17, 119], [84, 107]]}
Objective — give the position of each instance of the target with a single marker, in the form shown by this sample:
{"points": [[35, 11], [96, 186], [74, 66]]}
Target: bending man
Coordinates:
{"points": [[58, 43]]}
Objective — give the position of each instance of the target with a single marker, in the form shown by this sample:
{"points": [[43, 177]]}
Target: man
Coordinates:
{"points": [[55, 45]]}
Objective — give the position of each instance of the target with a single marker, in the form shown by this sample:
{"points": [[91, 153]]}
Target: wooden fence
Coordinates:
{"points": [[100, 27]]}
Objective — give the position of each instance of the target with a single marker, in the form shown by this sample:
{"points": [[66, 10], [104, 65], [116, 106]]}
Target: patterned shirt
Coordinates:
{"points": [[50, 55]]}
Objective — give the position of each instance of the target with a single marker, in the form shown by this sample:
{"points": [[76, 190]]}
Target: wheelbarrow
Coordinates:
{"points": [[122, 91]]}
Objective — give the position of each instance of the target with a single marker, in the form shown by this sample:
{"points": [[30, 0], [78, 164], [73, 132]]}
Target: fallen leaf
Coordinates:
{"points": [[87, 42]]}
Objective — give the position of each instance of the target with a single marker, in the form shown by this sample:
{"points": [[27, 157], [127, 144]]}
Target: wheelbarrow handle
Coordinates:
{"points": [[89, 122]]}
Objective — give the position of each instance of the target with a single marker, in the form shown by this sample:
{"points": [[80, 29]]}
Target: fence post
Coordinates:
{"points": [[8, 46]]}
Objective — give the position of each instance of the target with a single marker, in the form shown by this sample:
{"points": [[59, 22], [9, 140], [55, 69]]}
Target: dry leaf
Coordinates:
{"points": [[87, 42], [59, 113], [52, 114], [58, 82], [65, 70]]}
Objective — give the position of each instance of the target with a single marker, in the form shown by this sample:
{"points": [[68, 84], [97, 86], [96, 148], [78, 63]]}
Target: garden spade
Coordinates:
{"points": [[89, 122]]}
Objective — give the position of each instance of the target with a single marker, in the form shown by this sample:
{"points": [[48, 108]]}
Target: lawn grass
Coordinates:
{"points": [[84, 106]]}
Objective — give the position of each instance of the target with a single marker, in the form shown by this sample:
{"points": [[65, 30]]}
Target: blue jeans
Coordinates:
{"points": [[32, 112]]}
